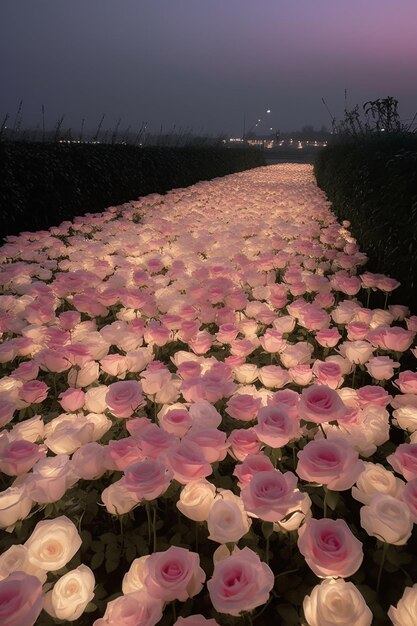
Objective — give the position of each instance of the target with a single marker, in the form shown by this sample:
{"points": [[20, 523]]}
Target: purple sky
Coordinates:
{"points": [[204, 63]]}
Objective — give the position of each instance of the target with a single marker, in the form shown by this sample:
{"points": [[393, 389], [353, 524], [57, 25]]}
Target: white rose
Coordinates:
{"points": [[15, 559], [71, 594], [50, 479], [227, 520], [95, 399], [376, 479], [406, 417], [204, 415], [118, 499], [375, 422], [406, 610], [246, 373], [68, 432], [196, 500], [30, 430], [297, 515], [134, 579], [53, 543], [334, 602], [83, 377], [14, 505], [387, 519]]}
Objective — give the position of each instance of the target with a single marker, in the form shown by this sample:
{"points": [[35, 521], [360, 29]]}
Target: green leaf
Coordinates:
{"points": [[267, 529], [97, 560], [288, 614], [332, 499]]}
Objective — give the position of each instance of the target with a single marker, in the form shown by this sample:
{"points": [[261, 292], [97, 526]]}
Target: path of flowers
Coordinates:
{"points": [[208, 416]]}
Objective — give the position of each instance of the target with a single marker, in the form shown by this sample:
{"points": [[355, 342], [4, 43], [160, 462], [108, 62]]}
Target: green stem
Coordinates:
{"points": [[267, 551], [381, 565], [386, 300], [148, 513], [122, 538], [154, 529], [353, 376], [323, 431], [174, 612], [325, 502], [196, 536]]}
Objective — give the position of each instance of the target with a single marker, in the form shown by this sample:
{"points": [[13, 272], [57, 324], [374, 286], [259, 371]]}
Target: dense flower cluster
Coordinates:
{"points": [[198, 397]]}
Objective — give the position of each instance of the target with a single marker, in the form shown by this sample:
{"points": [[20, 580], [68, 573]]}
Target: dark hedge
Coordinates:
{"points": [[43, 184], [372, 182]]}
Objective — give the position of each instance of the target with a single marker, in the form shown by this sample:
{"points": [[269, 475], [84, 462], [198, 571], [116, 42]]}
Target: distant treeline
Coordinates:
{"points": [[43, 184], [371, 179]]}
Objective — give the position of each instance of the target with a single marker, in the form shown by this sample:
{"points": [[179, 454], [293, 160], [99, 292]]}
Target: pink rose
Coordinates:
{"points": [[201, 342], [329, 548], [243, 406], [33, 392], [404, 460], [240, 582], [155, 377], [334, 463], [328, 337], [134, 609], [21, 600], [328, 373], [407, 382], [211, 441], [175, 419], [270, 495], [155, 442], [72, 399], [188, 462], [409, 495], [174, 574], [124, 397], [19, 456], [320, 404], [243, 441], [50, 479], [189, 369], [119, 453], [275, 427], [381, 367], [252, 465], [7, 410], [272, 341], [373, 394], [147, 480]]}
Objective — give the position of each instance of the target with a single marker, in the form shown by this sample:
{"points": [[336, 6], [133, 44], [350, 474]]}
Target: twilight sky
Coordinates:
{"points": [[204, 64]]}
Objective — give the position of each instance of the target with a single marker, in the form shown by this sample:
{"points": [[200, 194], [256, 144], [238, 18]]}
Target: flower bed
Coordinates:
{"points": [[204, 421]]}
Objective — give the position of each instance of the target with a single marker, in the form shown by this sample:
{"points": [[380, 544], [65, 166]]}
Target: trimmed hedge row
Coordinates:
{"points": [[372, 182], [43, 184]]}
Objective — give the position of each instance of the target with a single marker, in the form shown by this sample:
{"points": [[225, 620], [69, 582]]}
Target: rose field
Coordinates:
{"points": [[208, 412]]}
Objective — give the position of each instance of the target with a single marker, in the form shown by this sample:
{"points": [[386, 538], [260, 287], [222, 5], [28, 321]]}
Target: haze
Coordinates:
{"points": [[204, 65]]}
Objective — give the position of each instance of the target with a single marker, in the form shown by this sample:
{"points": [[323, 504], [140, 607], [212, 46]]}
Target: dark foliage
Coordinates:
{"points": [[372, 182], [43, 184]]}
